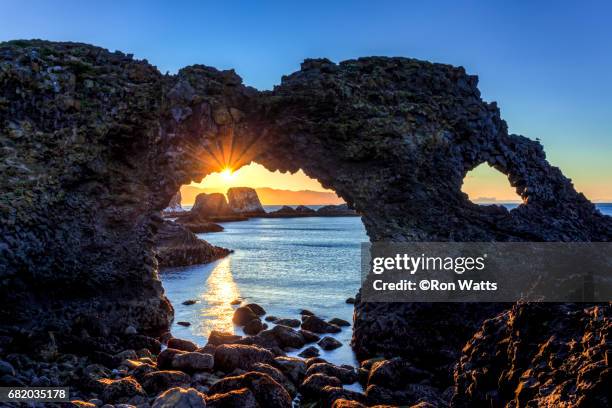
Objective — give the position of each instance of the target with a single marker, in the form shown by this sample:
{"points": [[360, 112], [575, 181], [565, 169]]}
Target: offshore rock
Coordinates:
{"points": [[336, 210], [211, 205], [244, 200], [177, 246]]}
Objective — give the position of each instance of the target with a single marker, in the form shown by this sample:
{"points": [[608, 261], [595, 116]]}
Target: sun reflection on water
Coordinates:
{"points": [[221, 290]]}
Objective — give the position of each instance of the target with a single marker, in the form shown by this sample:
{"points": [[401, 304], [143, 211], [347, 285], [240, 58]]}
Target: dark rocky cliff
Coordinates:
{"points": [[95, 144]]}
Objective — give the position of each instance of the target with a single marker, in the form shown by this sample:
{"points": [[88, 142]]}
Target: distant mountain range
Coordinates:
{"points": [[270, 196]]}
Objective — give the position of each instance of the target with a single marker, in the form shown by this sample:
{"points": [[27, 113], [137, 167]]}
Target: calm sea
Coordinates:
{"points": [[284, 265]]}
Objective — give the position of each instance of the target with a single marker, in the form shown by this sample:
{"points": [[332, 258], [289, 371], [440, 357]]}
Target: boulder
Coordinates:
{"points": [[276, 375], [343, 373], [193, 361], [317, 325], [228, 357], [339, 322], [253, 327], [165, 358], [178, 397], [181, 344], [258, 310], [288, 322], [244, 201], [309, 352], [293, 368], [330, 394], [121, 390], [243, 315], [329, 343], [309, 337], [267, 392], [240, 398], [217, 337], [395, 373], [313, 384], [158, 381]]}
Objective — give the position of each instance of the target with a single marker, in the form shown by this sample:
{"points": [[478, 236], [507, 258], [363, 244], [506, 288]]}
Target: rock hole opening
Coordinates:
{"points": [[486, 185]]}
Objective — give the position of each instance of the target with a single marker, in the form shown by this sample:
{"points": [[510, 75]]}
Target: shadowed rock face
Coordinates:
{"points": [[95, 144]]}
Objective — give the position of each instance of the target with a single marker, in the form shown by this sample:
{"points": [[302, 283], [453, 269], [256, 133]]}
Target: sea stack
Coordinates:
{"points": [[211, 205], [244, 201]]}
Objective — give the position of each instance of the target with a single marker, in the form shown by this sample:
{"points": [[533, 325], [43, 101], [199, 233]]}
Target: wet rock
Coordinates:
{"points": [[329, 343], [271, 319], [165, 358], [228, 357], [255, 308], [181, 344], [184, 324], [289, 322], [330, 394], [193, 361], [190, 302], [339, 322], [309, 337], [240, 398], [121, 390], [244, 200], [350, 301], [306, 312], [410, 395], [235, 302], [293, 368], [395, 373], [345, 374], [243, 315], [178, 397], [313, 384], [287, 337], [253, 327], [217, 337], [267, 392], [318, 325], [159, 381], [276, 375], [309, 352], [139, 342], [344, 403]]}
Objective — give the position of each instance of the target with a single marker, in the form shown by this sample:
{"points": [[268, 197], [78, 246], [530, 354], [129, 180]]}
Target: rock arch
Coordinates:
{"points": [[95, 144]]}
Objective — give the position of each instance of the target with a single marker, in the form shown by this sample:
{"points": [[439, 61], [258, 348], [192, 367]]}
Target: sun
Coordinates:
{"points": [[228, 174]]}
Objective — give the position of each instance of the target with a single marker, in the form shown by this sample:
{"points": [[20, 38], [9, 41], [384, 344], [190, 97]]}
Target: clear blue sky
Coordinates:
{"points": [[547, 64]]}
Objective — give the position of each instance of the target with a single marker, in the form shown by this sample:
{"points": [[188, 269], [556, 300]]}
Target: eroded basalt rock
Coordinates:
{"points": [[244, 200], [95, 144]]}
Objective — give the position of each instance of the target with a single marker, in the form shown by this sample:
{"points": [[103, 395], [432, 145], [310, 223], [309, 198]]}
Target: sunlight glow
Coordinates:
{"points": [[221, 290], [228, 174]]}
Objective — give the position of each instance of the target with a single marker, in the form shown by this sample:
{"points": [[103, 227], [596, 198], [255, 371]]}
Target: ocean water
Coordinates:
{"points": [[284, 265]]}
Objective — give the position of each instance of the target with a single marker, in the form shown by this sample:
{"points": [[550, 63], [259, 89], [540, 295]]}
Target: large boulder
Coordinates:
{"points": [[244, 200], [178, 397], [267, 392], [228, 357], [211, 205]]}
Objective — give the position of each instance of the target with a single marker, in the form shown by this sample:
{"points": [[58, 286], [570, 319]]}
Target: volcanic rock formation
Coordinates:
{"points": [[95, 144], [244, 200]]}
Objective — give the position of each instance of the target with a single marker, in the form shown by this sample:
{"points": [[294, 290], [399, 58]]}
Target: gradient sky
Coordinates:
{"points": [[547, 64]]}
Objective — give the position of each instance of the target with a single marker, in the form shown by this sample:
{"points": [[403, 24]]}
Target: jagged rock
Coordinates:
{"points": [[317, 325], [174, 206], [177, 246], [277, 376], [228, 357], [267, 392], [178, 397], [538, 354], [244, 200]]}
